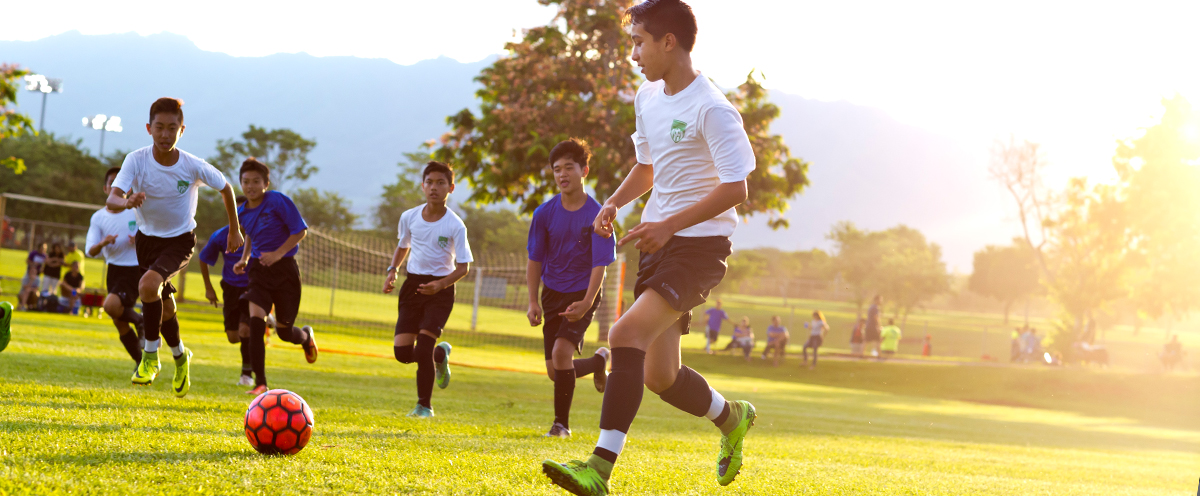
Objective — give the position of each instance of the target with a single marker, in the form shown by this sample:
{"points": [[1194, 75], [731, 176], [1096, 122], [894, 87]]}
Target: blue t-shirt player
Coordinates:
{"points": [[233, 286], [570, 260]]}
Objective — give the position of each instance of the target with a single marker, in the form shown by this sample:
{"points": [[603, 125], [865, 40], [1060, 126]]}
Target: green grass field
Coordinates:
{"points": [[70, 422]]}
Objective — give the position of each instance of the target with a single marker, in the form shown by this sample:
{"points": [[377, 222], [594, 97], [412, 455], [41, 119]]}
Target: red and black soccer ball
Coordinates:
{"points": [[278, 422]]}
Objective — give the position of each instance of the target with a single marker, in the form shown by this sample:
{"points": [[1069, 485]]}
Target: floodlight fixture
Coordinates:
{"points": [[103, 123], [41, 84]]}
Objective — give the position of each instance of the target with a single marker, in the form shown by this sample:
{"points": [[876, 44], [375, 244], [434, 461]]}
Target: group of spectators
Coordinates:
{"points": [[54, 278], [870, 337]]}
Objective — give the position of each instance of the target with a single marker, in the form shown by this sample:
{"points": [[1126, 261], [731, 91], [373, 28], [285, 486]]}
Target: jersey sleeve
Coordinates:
{"points": [[206, 173], [213, 247], [641, 144], [604, 250], [462, 248], [723, 131], [94, 234], [536, 246], [403, 233], [124, 179], [291, 215]]}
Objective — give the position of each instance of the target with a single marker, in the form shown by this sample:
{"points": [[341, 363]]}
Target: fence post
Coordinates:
{"points": [[478, 292], [32, 234], [337, 257]]}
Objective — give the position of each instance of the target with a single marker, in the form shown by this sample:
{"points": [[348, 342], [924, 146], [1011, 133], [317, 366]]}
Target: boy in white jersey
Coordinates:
{"points": [[113, 233], [160, 183], [440, 256], [693, 151]]}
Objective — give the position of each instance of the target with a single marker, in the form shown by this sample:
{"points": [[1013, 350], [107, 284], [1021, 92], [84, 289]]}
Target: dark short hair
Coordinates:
{"points": [[574, 149], [112, 171], [435, 166], [253, 165], [659, 17], [168, 105]]}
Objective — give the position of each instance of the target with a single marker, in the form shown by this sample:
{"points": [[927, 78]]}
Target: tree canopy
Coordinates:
{"points": [[1006, 273], [284, 151], [898, 263], [324, 210], [12, 123]]}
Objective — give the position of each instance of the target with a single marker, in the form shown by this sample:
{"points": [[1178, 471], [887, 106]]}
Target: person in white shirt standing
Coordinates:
{"points": [[692, 149], [112, 234], [160, 183], [434, 239]]}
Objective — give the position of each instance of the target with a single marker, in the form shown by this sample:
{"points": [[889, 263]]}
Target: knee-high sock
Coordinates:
{"points": [[404, 354], [291, 334], [130, 315], [131, 343], [258, 350], [585, 366], [691, 393], [170, 334], [564, 392], [622, 398], [425, 369], [244, 348], [152, 314]]}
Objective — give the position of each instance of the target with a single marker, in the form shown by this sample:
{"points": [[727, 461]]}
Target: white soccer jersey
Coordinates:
{"points": [[695, 140], [124, 226], [171, 192], [435, 247]]}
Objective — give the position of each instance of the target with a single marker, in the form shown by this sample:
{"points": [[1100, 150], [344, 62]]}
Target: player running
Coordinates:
{"points": [[274, 229], [160, 183], [570, 259], [693, 151], [233, 286], [437, 240], [113, 234]]}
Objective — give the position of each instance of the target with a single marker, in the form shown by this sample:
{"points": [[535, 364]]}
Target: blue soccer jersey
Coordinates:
{"points": [[564, 243], [271, 223], [216, 247]]}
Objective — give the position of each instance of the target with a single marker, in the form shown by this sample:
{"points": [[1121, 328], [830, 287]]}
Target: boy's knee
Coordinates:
{"points": [[233, 336]]}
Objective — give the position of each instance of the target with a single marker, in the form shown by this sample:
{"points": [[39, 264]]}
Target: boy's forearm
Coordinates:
{"points": [[246, 250], [639, 180], [204, 274], [398, 257], [230, 204], [594, 284], [533, 279], [459, 272], [722, 198], [291, 242], [116, 200]]}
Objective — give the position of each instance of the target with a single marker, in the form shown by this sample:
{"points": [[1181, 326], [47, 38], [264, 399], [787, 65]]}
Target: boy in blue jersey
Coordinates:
{"points": [[233, 286], [715, 317], [273, 229], [570, 259]]}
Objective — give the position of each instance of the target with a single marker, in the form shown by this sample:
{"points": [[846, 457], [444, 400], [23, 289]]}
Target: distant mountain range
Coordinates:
{"points": [[365, 113]]}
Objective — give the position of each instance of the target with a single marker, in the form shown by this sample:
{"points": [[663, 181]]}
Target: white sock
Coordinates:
{"points": [[611, 440], [177, 350], [152, 346], [717, 406]]}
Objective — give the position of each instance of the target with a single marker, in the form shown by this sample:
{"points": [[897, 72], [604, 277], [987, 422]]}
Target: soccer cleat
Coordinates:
{"points": [[729, 459], [182, 382], [6, 311], [245, 380], [258, 390], [576, 477], [600, 378], [310, 346], [146, 371], [443, 368], [420, 411], [558, 430]]}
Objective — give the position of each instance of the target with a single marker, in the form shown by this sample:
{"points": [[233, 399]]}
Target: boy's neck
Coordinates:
{"points": [[166, 159], [433, 210], [680, 76], [254, 204], [573, 200]]}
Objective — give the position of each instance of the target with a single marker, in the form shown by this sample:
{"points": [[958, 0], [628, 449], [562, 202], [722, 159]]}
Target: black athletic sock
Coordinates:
{"points": [[689, 393], [152, 314], [623, 395], [170, 331], [132, 346], [291, 334], [720, 420], [244, 348], [258, 350], [425, 369], [130, 315], [564, 392], [585, 366], [404, 354]]}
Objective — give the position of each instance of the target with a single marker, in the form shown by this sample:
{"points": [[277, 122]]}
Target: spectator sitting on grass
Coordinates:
{"points": [[1172, 353], [52, 271], [73, 254], [71, 286], [890, 341], [33, 276], [743, 337], [777, 340], [1031, 346], [856, 337]]}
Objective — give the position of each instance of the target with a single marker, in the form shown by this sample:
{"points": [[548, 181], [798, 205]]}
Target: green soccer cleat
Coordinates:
{"points": [[420, 411], [182, 382], [147, 370], [6, 311], [729, 459], [443, 368], [576, 477]]}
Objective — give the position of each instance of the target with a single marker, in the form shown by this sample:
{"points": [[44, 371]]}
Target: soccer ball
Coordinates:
{"points": [[278, 422]]}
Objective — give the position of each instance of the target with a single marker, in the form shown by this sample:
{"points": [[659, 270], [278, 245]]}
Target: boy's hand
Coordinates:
{"points": [[135, 200], [575, 311], [233, 241], [211, 295], [239, 268], [108, 240], [432, 287], [603, 223], [534, 314], [389, 283], [270, 257], [650, 236]]}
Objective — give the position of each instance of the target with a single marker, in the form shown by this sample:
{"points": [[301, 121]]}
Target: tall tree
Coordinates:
{"points": [[401, 195], [495, 230], [324, 210], [911, 270], [56, 168], [1005, 273], [1018, 166], [857, 258], [12, 123], [573, 78], [284, 151]]}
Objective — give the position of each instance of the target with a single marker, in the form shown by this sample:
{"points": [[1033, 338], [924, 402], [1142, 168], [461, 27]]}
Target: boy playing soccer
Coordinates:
{"points": [[274, 229], [693, 151], [441, 256], [161, 182], [113, 234], [570, 258], [233, 286]]}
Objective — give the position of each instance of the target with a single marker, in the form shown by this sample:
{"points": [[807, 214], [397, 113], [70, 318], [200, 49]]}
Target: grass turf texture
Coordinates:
{"points": [[71, 422]]}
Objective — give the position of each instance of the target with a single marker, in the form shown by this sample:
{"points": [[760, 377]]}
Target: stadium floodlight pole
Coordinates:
{"points": [[103, 123], [44, 85]]}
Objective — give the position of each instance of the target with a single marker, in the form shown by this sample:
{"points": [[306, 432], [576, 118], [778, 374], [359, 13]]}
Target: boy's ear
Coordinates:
{"points": [[586, 169]]}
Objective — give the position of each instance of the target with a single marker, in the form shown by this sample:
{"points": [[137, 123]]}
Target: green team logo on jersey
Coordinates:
{"points": [[182, 186], [133, 226], [678, 127], [443, 241]]}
